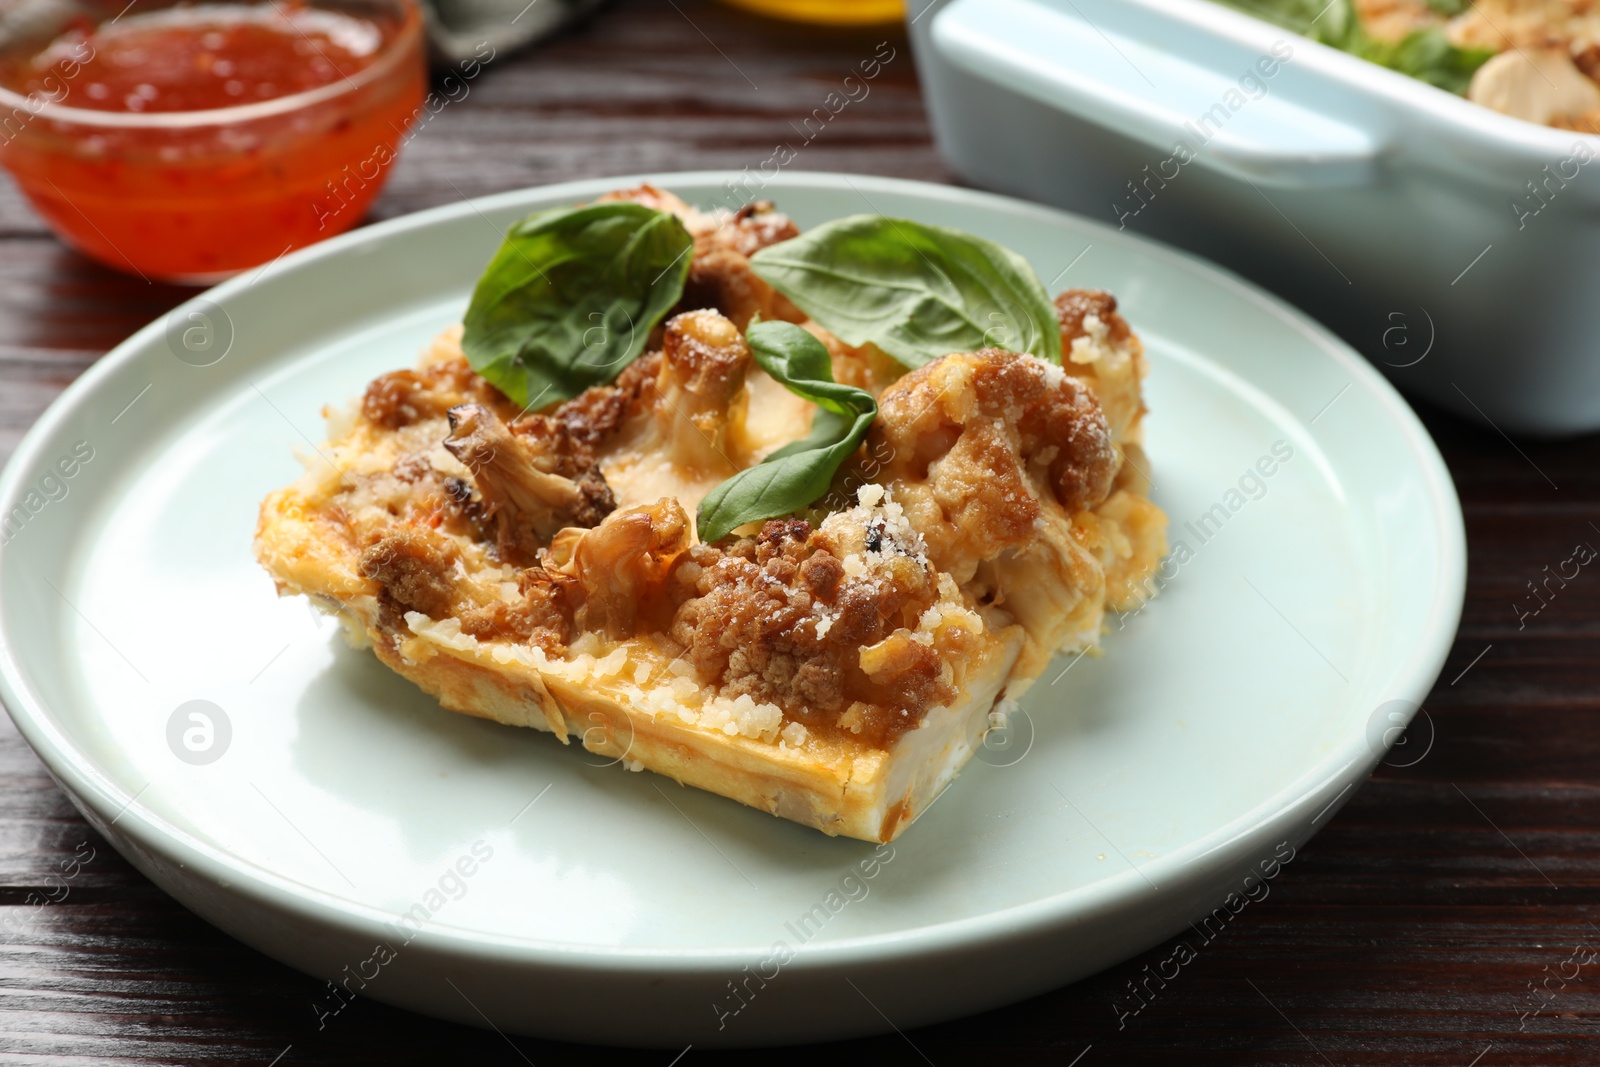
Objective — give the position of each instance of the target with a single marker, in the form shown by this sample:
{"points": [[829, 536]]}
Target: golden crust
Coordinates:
{"points": [[830, 784], [836, 675]]}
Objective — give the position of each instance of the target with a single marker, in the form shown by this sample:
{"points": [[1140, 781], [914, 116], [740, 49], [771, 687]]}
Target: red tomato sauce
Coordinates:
{"points": [[188, 199]]}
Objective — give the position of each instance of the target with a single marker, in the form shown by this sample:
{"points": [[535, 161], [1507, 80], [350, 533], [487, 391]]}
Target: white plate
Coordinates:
{"points": [[1233, 714]]}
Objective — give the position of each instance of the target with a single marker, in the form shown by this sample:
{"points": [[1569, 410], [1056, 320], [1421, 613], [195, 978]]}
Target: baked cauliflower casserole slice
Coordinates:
{"points": [[836, 667]]}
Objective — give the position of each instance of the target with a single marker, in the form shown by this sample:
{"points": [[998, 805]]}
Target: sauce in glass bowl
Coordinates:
{"points": [[189, 142]]}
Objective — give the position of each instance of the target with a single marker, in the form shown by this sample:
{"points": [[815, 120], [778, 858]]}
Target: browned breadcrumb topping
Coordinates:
{"points": [[414, 568], [826, 622], [412, 565], [752, 628], [977, 439]]}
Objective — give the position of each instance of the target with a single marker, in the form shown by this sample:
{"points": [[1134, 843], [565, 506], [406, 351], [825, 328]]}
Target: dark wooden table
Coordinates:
{"points": [[1445, 916]]}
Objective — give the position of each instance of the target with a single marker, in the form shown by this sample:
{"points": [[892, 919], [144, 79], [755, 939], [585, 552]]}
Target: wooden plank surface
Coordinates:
{"points": [[1415, 929]]}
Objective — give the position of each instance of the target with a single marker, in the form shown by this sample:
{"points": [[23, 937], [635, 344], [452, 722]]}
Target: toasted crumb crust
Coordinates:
{"points": [[520, 564]]}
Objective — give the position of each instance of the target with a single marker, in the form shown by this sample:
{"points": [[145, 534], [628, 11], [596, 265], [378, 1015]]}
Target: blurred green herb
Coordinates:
{"points": [[1427, 56], [1424, 54]]}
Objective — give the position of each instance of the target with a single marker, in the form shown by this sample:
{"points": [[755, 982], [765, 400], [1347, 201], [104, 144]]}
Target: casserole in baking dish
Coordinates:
{"points": [[1448, 242], [1536, 60]]}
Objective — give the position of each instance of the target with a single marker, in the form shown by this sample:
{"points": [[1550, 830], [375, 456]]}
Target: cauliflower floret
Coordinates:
{"points": [[699, 393], [1539, 85], [979, 444], [1053, 585], [992, 454], [674, 424], [720, 275], [675, 421], [1099, 347], [622, 564], [523, 497]]}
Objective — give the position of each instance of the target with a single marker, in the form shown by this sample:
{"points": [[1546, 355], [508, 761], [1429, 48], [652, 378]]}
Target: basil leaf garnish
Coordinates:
{"points": [[571, 297], [1425, 54], [916, 291], [801, 471], [1333, 22], [1428, 56]]}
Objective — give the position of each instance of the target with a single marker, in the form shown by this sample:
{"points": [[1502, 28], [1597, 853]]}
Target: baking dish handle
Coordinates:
{"points": [[1161, 91]]}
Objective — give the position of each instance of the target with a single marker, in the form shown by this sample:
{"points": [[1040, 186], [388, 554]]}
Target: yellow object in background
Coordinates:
{"points": [[828, 12]]}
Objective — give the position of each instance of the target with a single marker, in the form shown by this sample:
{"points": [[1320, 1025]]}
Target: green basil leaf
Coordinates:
{"points": [[1333, 22], [916, 291], [1428, 56], [800, 471], [1425, 54], [571, 297]]}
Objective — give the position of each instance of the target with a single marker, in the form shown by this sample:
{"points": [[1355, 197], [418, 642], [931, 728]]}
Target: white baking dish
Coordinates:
{"points": [[1457, 248]]}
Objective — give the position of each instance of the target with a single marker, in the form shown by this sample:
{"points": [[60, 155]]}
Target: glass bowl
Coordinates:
{"points": [[197, 195]]}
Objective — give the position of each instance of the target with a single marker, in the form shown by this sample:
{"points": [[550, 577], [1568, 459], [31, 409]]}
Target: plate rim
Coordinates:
{"points": [[103, 802]]}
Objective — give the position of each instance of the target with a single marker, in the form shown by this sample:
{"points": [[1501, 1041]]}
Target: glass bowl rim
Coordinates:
{"points": [[389, 56]]}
